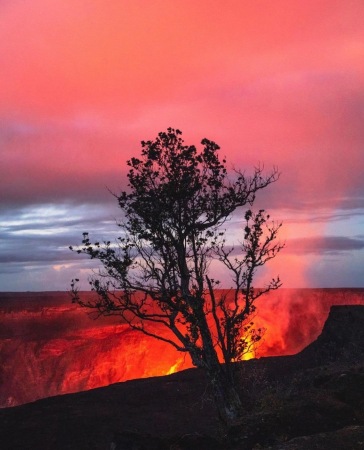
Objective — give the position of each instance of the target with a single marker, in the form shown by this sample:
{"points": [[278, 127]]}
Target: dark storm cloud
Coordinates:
{"points": [[325, 216], [324, 245], [43, 234]]}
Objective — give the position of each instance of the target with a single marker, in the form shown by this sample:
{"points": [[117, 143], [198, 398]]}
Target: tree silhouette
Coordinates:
{"points": [[158, 272]]}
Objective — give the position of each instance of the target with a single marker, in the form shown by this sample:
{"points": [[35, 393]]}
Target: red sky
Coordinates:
{"points": [[83, 82]]}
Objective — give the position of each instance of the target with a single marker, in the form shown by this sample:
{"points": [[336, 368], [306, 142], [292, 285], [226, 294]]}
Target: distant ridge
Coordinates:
{"points": [[341, 339], [314, 396]]}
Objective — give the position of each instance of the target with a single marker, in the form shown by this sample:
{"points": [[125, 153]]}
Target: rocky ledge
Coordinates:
{"points": [[312, 400]]}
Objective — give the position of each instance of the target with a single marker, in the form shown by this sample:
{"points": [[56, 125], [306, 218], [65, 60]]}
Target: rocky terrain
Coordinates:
{"points": [[48, 346], [312, 400]]}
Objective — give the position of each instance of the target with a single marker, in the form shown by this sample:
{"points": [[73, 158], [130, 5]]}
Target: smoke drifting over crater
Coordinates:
{"points": [[49, 346]]}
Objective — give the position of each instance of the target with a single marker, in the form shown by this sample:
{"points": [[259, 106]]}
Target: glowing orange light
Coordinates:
{"points": [[64, 351]]}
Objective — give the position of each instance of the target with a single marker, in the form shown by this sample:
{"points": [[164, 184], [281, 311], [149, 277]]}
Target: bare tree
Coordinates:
{"points": [[158, 272]]}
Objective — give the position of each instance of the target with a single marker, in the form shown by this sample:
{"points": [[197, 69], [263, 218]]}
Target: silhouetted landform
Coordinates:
{"points": [[49, 346], [342, 338], [312, 400]]}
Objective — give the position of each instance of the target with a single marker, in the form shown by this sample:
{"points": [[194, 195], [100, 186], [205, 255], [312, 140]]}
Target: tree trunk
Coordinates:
{"points": [[226, 398]]}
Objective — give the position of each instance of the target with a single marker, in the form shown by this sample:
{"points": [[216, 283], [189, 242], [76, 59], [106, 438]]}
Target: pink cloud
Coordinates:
{"points": [[282, 83]]}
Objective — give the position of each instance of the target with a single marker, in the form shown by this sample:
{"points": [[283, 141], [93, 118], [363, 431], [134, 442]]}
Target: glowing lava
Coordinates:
{"points": [[49, 346]]}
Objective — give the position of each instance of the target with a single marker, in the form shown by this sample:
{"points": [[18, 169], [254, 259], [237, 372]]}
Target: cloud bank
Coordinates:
{"points": [[82, 83]]}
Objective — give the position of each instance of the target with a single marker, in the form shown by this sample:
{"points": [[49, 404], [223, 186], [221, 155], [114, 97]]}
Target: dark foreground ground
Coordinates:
{"points": [[313, 400]]}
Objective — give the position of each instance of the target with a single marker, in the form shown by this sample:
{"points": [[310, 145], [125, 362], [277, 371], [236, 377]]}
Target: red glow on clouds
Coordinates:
{"points": [[281, 83]]}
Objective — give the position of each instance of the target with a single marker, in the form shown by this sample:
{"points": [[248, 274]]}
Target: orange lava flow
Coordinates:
{"points": [[49, 346]]}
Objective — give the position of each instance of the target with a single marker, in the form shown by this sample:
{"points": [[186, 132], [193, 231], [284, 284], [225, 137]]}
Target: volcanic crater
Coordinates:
{"points": [[311, 400]]}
